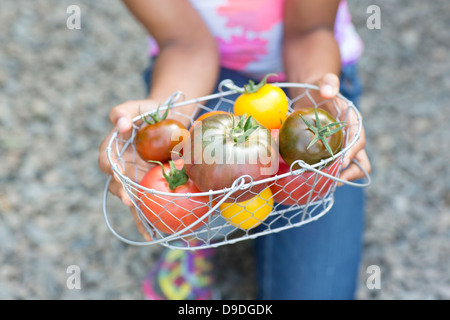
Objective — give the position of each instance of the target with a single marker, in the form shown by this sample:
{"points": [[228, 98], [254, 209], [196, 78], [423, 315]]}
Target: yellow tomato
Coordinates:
{"points": [[267, 103], [250, 213]]}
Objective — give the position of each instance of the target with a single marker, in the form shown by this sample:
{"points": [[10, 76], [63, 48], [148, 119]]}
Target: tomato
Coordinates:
{"points": [[311, 135], [250, 213], [171, 214], [267, 103], [157, 137], [223, 148], [306, 187]]}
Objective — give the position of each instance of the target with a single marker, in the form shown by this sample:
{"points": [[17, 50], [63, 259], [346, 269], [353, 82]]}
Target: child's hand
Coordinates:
{"points": [[121, 117], [329, 88]]}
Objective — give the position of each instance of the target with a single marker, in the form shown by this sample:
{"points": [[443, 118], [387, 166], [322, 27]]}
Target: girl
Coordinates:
{"points": [[196, 44]]}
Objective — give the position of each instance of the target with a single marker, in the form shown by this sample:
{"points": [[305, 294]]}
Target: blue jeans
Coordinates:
{"points": [[319, 260]]}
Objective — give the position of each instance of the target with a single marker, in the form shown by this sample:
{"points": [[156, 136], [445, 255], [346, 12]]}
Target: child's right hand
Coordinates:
{"points": [[327, 96], [121, 117]]}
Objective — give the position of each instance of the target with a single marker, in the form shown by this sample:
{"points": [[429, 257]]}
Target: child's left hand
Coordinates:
{"points": [[329, 88]]}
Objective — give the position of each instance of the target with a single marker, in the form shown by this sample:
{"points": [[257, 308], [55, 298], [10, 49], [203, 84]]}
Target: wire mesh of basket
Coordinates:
{"points": [[299, 195]]}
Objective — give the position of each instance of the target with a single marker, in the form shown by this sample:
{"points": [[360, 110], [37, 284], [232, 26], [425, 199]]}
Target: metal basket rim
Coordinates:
{"points": [[221, 94]]}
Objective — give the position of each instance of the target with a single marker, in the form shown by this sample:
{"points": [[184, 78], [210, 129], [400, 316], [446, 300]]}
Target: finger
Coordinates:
{"points": [[103, 162], [117, 189], [122, 117], [356, 148], [353, 171], [329, 86], [139, 225]]}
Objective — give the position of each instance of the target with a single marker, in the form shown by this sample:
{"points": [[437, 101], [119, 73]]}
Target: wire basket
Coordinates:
{"points": [[302, 194]]}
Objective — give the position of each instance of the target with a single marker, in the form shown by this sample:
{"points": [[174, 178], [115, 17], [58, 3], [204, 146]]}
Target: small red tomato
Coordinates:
{"points": [[157, 137], [303, 188], [172, 213]]}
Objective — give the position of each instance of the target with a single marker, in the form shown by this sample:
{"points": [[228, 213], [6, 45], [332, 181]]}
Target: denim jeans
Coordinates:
{"points": [[319, 260]]}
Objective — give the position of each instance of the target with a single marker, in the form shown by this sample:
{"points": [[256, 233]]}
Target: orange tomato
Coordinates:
{"points": [[206, 115]]}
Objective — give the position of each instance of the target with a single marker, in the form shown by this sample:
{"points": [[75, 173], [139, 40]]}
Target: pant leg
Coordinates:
{"points": [[319, 260]]}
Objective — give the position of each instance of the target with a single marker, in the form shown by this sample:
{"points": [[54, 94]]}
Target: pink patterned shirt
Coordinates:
{"points": [[249, 34]]}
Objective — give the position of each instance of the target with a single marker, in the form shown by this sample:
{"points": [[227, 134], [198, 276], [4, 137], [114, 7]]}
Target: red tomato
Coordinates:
{"points": [[298, 189], [224, 147], [173, 213], [158, 136]]}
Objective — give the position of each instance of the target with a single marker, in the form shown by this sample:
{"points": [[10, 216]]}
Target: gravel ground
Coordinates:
{"points": [[57, 86]]}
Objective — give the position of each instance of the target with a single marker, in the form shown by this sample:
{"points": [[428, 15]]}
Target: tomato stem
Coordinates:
{"points": [[251, 87], [175, 177], [245, 127], [155, 117], [322, 132]]}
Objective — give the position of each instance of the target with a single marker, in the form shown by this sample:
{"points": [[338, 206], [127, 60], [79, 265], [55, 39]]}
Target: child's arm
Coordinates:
{"points": [[310, 50], [311, 55], [188, 59]]}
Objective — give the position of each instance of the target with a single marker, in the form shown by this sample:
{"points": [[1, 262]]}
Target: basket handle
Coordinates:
{"points": [[306, 166], [108, 224], [237, 184], [174, 97]]}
